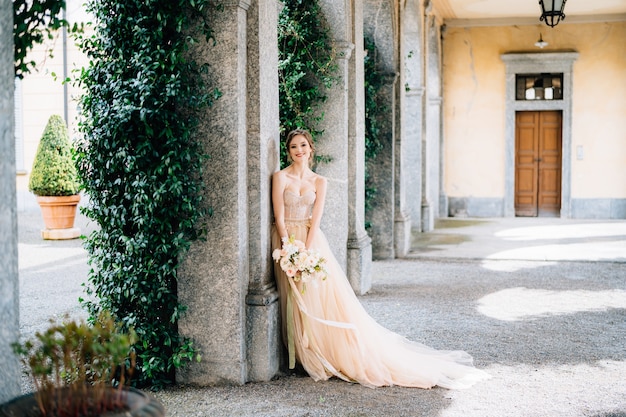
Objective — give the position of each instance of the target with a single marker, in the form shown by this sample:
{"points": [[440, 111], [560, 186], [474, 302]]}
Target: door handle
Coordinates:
{"points": [[537, 159]]}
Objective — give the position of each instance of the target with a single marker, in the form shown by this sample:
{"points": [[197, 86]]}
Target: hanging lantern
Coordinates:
{"points": [[552, 11]]}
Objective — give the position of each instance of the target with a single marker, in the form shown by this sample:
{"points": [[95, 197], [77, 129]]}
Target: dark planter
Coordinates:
{"points": [[138, 404]]}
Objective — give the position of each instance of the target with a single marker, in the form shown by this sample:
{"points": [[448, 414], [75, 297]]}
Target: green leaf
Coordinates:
{"points": [[141, 166]]}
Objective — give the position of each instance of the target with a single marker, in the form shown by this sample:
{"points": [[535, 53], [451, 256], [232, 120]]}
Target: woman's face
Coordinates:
{"points": [[299, 149]]}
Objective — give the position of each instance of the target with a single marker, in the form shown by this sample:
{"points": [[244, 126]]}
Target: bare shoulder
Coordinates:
{"points": [[320, 181], [279, 175]]}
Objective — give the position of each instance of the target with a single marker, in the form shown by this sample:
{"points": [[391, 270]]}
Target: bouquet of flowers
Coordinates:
{"points": [[299, 263]]}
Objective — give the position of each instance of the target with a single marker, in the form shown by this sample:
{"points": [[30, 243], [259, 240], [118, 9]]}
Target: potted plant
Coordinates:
{"points": [[54, 180], [80, 370]]}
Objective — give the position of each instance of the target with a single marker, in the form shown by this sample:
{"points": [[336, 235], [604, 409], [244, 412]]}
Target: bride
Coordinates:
{"points": [[325, 327]]}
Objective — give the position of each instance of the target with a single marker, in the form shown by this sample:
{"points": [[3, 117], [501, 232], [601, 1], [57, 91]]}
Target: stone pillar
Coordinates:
{"points": [[263, 340], [438, 139], [215, 275], [415, 162], [433, 115], [382, 175], [402, 217], [359, 243], [380, 24], [334, 142], [413, 51], [428, 220], [9, 281]]}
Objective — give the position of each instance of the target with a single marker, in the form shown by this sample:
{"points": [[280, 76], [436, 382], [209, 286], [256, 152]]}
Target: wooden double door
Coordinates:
{"points": [[538, 154]]}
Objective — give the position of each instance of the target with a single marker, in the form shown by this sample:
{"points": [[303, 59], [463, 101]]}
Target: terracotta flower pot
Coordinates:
{"points": [[58, 212], [137, 404]]}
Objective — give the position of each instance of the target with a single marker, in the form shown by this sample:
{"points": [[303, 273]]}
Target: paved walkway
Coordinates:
{"points": [[539, 303]]}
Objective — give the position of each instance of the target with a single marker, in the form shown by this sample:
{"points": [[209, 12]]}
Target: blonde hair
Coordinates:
{"points": [[307, 135]]}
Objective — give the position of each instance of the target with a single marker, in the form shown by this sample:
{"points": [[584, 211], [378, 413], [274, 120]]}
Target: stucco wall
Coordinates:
{"points": [[599, 112], [474, 106]]}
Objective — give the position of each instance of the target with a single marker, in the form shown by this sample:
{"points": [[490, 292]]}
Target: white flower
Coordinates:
{"points": [[300, 264], [285, 263]]}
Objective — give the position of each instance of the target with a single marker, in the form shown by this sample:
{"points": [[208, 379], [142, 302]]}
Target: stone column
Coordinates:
{"points": [[413, 51], [433, 116], [359, 243], [428, 220], [263, 340], [9, 281], [379, 19], [382, 178], [334, 142], [438, 139], [415, 162], [402, 217], [215, 276]]}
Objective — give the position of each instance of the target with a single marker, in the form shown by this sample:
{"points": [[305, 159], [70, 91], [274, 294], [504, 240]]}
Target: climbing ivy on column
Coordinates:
{"points": [[306, 66], [374, 109], [140, 164]]}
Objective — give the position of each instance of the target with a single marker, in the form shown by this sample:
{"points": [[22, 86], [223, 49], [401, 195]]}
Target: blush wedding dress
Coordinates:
{"points": [[327, 330]]}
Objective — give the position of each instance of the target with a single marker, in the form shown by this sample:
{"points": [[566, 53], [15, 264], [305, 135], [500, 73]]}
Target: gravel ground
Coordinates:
{"points": [[544, 317]]}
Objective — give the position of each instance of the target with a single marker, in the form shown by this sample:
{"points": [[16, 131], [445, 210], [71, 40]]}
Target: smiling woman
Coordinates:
{"points": [[325, 327]]}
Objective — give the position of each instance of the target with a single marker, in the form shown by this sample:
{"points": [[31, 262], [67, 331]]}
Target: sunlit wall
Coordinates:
{"points": [[475, 115]]}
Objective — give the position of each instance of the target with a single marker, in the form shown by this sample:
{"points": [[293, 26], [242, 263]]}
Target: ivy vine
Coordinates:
{"points": [[306, 67], [140, 164], [374, 109], [34, 21]]}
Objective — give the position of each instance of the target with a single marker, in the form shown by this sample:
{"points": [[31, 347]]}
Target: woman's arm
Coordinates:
{"points": [[318, 208], [278, 204]]}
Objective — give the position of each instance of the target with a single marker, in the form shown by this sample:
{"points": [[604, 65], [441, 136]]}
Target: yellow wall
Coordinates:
{"points": [[474, 105], [599, 113]]}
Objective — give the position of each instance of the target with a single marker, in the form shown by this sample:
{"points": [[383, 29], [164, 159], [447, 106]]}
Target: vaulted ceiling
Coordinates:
{"points": [[525, 11]]}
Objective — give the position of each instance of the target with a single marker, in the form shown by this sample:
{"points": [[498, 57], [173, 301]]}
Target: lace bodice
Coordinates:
{"points": [[298, 207]]}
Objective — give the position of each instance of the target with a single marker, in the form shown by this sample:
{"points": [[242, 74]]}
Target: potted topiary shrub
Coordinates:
{"points": [[54, 180], [81, 370]]}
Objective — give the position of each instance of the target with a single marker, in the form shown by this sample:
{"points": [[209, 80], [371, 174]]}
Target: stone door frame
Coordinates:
{"points": [[534, 63]]}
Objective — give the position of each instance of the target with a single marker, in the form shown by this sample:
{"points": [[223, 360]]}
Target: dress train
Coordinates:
{"points": [[331, 334]]}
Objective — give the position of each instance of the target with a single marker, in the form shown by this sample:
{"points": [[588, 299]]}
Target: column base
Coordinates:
{"points": [[263, 335], [402, 234], [428, 222], [359, 268], [443, 205]]}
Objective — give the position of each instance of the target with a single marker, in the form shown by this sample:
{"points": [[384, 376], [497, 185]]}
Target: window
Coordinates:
{"points": [[539, 87]]}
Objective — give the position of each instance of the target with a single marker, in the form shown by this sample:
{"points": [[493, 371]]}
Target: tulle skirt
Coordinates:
{"points": [[327, 329]]}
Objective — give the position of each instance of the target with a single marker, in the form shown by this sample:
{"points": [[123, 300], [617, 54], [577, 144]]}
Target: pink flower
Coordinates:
{"points": [[298, 263], [285, 263]]}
